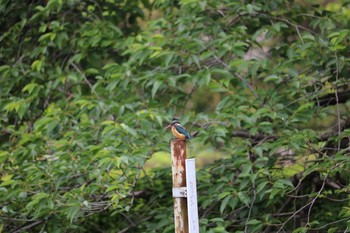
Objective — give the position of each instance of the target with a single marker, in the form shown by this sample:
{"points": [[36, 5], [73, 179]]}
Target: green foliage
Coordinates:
{"points": [[85, 93]]}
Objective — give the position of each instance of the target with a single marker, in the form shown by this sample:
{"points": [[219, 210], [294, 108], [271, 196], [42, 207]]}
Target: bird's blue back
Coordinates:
{"points": [[182, 130]]}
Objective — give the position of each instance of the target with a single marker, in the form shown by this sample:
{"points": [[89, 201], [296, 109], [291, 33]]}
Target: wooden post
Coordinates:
{"points": [[178, 156]]}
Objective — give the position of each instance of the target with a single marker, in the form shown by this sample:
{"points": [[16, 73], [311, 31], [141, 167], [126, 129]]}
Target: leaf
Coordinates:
{"points": [[224, 203], [261, 186], [233, 202], [22, 195], [112, 187], [22, 110], [300, 230], [250, 9], [168, 58], [308, 36], [109, 129], [72, 213], [128, 129], [253, 222], [30, 87], [36, 65], [217, 220], [49, 35], [36, 199], [272, 78], [7, 183], [258, 151], [4, 68], [286, 182], [42, 123], [13, 106], [186, 2], [223, 195], [304, 107], [333, 230], [204, 78], [155, 87], [4, 155], [108, 122], [244, 198]]}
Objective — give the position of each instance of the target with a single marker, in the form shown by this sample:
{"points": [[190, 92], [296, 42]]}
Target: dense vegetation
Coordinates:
{"points": [[86, 88]]}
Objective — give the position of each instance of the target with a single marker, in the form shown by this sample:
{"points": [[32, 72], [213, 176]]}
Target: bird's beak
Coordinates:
{"points": [[168, 127]]}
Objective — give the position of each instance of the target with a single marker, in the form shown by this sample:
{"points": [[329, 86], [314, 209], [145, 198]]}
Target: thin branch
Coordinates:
{"points": [[337, 200], [258, 137], [314, 199], [297, 26], [188, 97], [237, 75], [129, 220], [16, 219], [282, 214], [207, 211], [337, 98], [43, 227], [27, 227], [127, 229], [86, 80], [331, 223], [297, 29], [98, 210], [133, 186], [292, 216], [250, 209]]}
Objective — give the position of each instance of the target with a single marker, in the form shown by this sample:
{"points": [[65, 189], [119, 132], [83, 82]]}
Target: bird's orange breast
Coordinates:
{"points": [[177, 134]]}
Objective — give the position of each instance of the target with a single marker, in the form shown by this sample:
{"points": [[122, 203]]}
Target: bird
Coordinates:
{"points": [[178, 130]]}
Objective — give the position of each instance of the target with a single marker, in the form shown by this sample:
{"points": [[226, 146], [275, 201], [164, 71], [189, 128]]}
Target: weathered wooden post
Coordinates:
{"points": [[178, 157]]}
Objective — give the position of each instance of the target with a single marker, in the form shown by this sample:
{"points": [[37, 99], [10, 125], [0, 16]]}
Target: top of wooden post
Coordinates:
{"points": [[178, 154]]}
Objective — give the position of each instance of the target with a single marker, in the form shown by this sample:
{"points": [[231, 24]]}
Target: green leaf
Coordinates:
{"points": [[261, 186], [37, 65], [113, 187], [300, 230], [108, 122], [272, 78], [4, 68], [186, 2], [30, 87], [13, 106], [128, 129], [155, 87], [72, 213], [42, 123], [49, 35], [286, 182], [223, 195], [36, 199], [253, 222], [333, 230], [244, 198], [224, 203]]}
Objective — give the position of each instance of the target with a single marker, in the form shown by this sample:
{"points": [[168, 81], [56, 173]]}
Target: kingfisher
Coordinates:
{"points": [[178, 130]]}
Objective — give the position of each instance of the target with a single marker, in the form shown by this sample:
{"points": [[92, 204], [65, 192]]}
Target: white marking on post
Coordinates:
{"points": [[192, 206]]}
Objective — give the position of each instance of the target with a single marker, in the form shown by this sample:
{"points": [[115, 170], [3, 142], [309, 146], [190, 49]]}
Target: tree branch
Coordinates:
{"points": [[85, 78], [257, 137], [333, 99], [28, 226]]}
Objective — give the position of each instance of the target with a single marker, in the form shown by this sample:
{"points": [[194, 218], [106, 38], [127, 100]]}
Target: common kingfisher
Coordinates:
{"points": [[178, 130]]}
